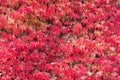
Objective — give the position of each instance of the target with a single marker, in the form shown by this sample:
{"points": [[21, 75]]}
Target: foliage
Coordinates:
{"points": [[59, 40]]}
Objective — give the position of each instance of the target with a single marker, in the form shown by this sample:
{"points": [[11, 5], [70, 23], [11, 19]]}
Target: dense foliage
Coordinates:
{"points": [[59, 40]]}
